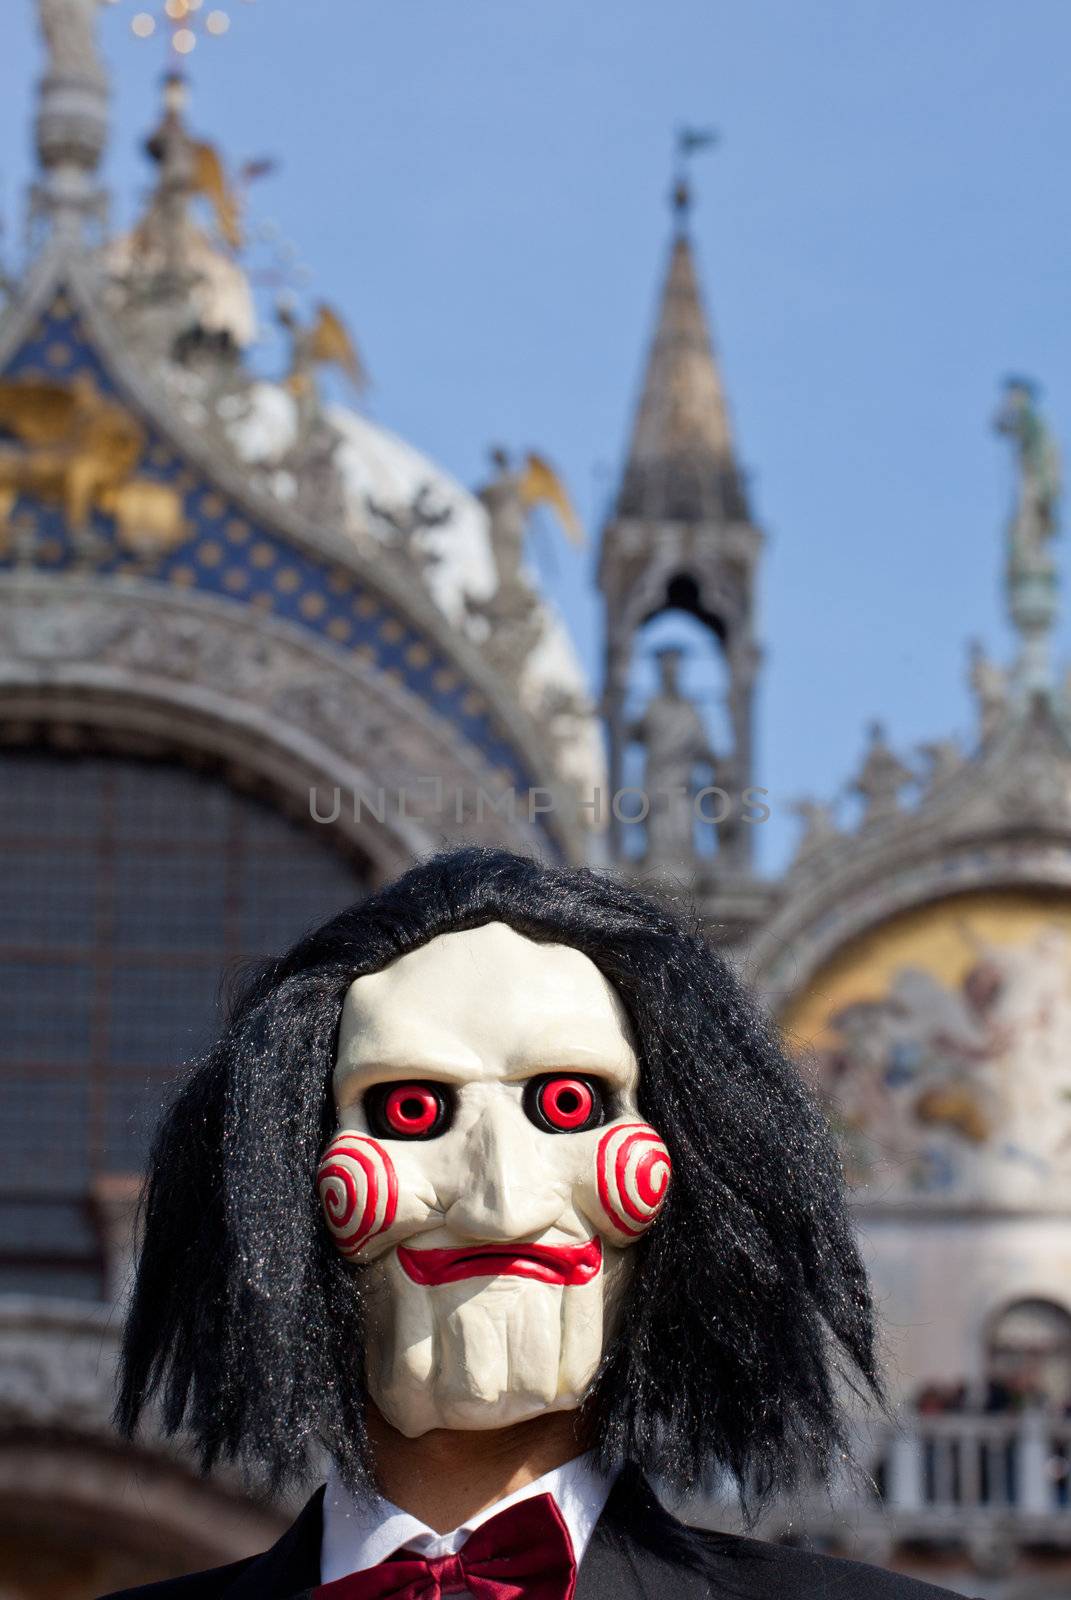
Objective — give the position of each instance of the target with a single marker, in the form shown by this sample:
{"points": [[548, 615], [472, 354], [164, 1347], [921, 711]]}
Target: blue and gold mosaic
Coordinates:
{"points": [[225, 553]]}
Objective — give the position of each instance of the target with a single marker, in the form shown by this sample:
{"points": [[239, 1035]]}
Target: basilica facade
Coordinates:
{"points": [[257, 654]]}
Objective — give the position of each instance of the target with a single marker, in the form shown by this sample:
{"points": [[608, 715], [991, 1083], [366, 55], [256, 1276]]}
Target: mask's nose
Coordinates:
{"points": [[510, 1189]]}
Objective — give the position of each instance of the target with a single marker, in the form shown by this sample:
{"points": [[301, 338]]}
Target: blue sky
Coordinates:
{"points": [[883, 233]]}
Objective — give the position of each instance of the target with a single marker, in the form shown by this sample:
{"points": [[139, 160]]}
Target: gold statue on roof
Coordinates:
{"points": [[510, 498], [540, 485], [78, 448], [209, 178], [324, 342]]}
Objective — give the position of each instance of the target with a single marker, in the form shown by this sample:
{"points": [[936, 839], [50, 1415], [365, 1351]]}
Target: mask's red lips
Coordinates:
{"points": [[568, 1265]]}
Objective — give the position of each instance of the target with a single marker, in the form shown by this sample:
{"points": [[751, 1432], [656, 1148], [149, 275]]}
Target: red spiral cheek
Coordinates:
{"points": [[358, 1189], [633, 1170]]}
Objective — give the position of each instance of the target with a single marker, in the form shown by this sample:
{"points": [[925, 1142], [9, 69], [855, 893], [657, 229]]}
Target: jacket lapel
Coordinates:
{"points": [[639, 1551], [291, 1568]]}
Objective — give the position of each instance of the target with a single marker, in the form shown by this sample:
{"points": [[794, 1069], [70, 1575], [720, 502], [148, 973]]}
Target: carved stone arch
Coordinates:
{"points": [[78, 1508], [833, 907], [71, 1494], [397, 623], [1043, 1300], [254, 695]]}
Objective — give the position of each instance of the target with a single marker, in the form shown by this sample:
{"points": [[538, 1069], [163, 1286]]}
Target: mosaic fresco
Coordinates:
{"points": [[941, 1045]]}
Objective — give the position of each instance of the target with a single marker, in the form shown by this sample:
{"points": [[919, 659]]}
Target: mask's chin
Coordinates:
{"points": [[484, 1352]]}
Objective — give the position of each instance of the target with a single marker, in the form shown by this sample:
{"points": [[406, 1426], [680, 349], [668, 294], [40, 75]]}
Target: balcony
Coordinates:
{"points": [[978, 1502]]}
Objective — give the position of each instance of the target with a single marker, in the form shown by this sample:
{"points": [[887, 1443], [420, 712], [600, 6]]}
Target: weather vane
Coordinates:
{"points": [[688, 142], [188, 20]]}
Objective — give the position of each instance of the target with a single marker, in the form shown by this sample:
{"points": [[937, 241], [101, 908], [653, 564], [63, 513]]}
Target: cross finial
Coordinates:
{"points": [[186, 20], [688, 142]]}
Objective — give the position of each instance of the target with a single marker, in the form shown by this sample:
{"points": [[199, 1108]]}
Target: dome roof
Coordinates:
{"points": [[382, 471], [221, 298]]}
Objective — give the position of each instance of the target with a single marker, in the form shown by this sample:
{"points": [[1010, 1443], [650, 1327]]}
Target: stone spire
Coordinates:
{"points": [[71, 128], [680, 535], [681, 464]]}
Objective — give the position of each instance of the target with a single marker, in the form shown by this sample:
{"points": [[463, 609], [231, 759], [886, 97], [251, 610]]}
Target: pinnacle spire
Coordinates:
{"points": [[72, 122], [681, 463]]}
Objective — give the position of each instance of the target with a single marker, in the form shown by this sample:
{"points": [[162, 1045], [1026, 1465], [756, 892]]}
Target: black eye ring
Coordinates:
{"points": [[411, 1109], [565, 1102]]}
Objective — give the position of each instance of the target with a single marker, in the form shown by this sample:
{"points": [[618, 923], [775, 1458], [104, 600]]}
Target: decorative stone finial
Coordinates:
{"points": [[943, 758], [72, 123], [1030, 571], [989, 685], [819, 829], [880, 779]]}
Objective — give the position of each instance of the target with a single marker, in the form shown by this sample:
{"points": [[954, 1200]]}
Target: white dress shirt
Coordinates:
{"points": [[357, 1536]]}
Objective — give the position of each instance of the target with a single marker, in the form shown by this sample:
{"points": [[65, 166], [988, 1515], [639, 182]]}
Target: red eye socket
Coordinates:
{"points": [[566, 1104], [409, 1111]]}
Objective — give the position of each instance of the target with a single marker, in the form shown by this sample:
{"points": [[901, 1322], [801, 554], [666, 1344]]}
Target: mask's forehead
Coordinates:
{"points": [[486, 1002]]}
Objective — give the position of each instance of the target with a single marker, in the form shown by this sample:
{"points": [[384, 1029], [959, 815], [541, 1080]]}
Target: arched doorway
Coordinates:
{"points": [[1028, 1353]]}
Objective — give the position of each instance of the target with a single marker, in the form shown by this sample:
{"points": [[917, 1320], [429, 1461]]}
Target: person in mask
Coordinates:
{"points": [[500, 1193]]}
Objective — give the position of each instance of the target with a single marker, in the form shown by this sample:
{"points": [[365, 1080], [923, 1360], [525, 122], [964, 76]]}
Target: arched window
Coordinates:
{"points": [[1028, 1353], [130, 888]]}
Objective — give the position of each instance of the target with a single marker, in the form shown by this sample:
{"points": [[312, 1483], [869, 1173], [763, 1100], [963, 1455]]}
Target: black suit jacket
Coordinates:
{"points": [[637, 1552]]}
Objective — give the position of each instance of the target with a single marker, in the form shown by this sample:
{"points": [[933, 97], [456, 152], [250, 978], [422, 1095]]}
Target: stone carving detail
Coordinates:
{"points": [[1036, 514], [405, 530], [69, 31], [676, 747], [880, 779], [819, 828], [299, 691], [1030, 574], [1037, 789], [510, 622], [57, 1370], [989, 686], [943, 758]]}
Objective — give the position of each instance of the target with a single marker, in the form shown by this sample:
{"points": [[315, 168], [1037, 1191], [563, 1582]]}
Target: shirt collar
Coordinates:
{"points": [[360, 1534]]}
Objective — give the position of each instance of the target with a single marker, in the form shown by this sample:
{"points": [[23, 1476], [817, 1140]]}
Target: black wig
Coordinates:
{"points": [[749, 1301]]}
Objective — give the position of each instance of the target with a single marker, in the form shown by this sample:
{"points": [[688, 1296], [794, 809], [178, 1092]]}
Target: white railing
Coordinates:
{"points": [[1013, 1463], [962, 1477], [1017, 1463]]}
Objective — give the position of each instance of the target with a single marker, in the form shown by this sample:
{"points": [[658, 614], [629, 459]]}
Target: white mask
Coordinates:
{"points": [[493, 1168]]}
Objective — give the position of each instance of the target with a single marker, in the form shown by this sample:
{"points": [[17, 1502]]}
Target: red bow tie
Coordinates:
{"points": [[523, 1553]]}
